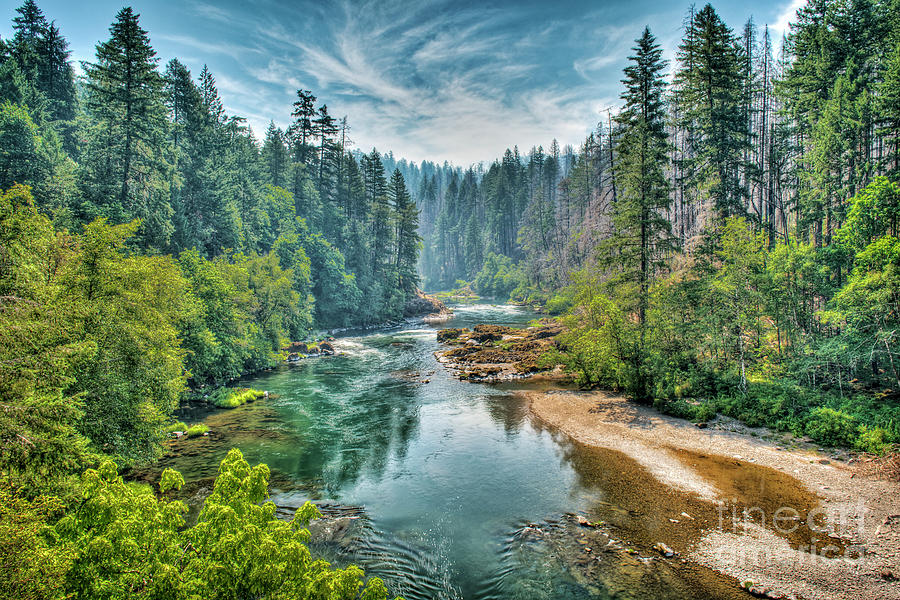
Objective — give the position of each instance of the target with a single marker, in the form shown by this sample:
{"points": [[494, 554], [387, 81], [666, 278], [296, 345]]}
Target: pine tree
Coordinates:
{"points": [[407, 245], [888, 109], [710, 95], [275, 156], [642, 234], [126, 177], [302, 128]]}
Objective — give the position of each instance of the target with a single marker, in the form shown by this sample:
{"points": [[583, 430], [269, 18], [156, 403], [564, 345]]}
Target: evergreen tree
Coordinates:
{"points": [[407, 217], [641, 239], [275, 156], [125, 173], [302, 128], [710, 91]]}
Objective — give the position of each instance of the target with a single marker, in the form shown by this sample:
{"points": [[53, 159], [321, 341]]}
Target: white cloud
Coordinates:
{"points": [[781, 26]]}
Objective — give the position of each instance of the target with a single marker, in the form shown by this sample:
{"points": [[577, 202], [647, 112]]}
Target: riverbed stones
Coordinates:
{"points": [[664, 549], [494, 353], [448, 335]]}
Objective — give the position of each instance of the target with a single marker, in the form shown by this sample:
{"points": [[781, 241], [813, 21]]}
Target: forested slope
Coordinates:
{"points": [[726, 235]]}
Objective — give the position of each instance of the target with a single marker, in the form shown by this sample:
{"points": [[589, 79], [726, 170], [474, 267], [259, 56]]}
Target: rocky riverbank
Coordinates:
{"points": [[494, 353], [428, 307], [782, 518]]}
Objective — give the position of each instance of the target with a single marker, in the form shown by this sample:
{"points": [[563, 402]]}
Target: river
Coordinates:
{"points": [[445, 475]]}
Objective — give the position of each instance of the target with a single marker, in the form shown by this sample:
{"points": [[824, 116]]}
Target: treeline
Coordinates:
{"points": [[784, 132], [148, 226], [725, 239], [128, 142]]}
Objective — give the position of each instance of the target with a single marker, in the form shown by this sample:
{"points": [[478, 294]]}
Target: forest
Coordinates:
{"points": [[150, 246], [725, 241]]}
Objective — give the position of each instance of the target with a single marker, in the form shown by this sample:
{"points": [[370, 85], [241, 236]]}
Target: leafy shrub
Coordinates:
{"points": [[874, 441], [196, 430], [832, 427], [234, 397], [697, 412], [176, 426], [30, 566], [125, 542], [558, 304]]}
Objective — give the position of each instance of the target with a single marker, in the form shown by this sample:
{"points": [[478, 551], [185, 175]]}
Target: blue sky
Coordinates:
{"points": [[428, 79]]}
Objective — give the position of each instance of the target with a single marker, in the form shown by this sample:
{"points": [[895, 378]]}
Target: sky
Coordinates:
{"points": [[435, 80]]}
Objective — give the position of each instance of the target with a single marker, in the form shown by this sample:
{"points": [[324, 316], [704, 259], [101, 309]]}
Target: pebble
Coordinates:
{"points": [[664, 550]]}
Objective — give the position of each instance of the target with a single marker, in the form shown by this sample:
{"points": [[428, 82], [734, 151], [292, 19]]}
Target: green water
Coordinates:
{"points": [[445, 473]]}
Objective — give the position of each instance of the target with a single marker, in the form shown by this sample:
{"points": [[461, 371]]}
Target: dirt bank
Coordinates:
{"points": [[793, 521]]}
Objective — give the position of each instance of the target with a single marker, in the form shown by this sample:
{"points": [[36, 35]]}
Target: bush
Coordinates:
{"points": [[127, 542], [832, 427], [234, 397], [30, 566], [698, 412], [196, 430], [558, 304], [874, 441], [176, 426]]}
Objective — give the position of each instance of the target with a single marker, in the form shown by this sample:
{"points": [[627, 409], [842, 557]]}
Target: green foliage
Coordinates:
{"points": [[234, 397], [127, 307], [875, 441], [558, 304], [126, 541], [697, 412], [498, 277], [176, 426], [196, 430], [599, 343], [832, 427], [33, 569]]}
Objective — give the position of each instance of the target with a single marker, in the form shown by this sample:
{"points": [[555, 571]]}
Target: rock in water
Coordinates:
{"points": [[663, 549], [421, 304]]}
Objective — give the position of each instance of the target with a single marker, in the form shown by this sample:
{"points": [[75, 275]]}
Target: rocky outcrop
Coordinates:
{"points": [[300, 350], [429, 307], [497, 353]]}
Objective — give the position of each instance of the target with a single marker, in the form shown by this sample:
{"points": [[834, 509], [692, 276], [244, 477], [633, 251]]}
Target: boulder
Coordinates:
{"points": [[326, 348], [489, 333], [448, 335], [297, 348], [664, 549], [422, 304]]}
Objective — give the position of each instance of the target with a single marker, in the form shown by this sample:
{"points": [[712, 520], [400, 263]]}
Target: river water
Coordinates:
{"points": [[443, 474]]}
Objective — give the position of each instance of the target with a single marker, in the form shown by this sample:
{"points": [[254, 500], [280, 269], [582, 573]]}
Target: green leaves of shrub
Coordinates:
{"points": [[127, 542]]}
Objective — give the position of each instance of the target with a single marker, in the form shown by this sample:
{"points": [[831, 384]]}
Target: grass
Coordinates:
{"points": [[176, 426], [196, 430], [234, 397]]}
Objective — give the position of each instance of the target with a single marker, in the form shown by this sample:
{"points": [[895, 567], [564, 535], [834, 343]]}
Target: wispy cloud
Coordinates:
{"points": [[457, 80]]}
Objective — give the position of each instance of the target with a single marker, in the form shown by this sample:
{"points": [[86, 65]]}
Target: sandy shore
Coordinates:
{"points": [[839, 538]]}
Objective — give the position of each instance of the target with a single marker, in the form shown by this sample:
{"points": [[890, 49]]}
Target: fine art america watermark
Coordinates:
{"points": [[822, 533]]}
